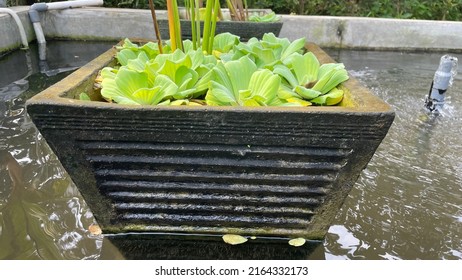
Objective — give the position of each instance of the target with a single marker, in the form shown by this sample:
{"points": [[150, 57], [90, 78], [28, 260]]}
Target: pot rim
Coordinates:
{"points": [[358, 99]]}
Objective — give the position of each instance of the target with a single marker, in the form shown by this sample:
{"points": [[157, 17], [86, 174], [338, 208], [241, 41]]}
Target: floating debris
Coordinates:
{"points": [[297, 242], [234, 239], [95, 229]]}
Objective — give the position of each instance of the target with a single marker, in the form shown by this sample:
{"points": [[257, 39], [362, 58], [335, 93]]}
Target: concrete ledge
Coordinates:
{"points": [[9, 31], [99, 24], [339, 32], [375, 33]]}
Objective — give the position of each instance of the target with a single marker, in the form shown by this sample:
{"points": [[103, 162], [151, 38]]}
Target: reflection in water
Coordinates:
{"points": [[42, 215], [407, 204]]}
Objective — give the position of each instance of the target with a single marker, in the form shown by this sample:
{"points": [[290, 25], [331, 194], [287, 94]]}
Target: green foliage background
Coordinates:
{"points": [[416, 9], [411, 9]]}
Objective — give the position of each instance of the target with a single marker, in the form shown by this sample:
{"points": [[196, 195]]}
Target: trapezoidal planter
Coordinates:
{"points": [[265, 172]]}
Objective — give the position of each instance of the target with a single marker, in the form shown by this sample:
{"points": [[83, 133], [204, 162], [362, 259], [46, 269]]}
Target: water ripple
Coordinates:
{"points": [[408, 199]]}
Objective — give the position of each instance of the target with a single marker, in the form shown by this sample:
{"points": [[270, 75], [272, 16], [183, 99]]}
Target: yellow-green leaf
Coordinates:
{"points": [[297, 242], [147, 96], [299, 101], [333, 97], [234, 239], [84, 96], [307, 93], [264, 84], [330, 75]]}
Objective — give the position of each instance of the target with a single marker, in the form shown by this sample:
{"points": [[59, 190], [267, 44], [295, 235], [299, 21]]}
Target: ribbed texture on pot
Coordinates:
{"points": [[215, 185]]}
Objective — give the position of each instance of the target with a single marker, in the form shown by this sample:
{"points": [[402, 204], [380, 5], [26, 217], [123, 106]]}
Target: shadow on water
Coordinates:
{"points": [[168, 247], [407, 204]]}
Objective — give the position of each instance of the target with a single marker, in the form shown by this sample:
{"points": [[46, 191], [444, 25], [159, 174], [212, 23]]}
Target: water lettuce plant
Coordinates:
{"points": [[268, 72], [269, 17], [219, 70]]}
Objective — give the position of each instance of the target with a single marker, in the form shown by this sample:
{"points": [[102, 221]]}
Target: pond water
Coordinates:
{"points": [[407, 204], [42, 215]]}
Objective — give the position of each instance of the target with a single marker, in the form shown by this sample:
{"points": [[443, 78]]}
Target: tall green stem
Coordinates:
{"points": [[214, 25], [240, 8], [174, 25], [198, 22], [179, 38], [207, 25], [191, 8], [232, 10]]}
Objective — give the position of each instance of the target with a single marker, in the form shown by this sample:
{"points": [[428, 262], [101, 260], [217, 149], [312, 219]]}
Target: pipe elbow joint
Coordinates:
{"points": [[39, 7], [34, 11], [34, 16]]}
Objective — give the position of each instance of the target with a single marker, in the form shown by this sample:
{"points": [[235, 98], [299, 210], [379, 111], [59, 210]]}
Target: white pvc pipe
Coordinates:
{"points": [[73, 4], [41, 7], [42, 43], [22, 33]]}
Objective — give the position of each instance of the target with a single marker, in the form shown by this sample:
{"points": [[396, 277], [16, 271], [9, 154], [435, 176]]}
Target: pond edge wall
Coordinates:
{"points": [[10, 38], [113, 24]]}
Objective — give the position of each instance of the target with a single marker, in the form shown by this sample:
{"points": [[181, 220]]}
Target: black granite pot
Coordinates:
{"points": [[265, 172]]}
